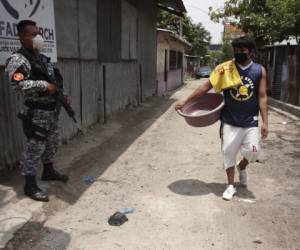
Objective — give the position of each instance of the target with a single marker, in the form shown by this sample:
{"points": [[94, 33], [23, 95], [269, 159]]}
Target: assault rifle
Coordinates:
{"points": [[59, 95]]}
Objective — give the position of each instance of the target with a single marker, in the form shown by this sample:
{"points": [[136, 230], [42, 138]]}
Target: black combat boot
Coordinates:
{"points": [[50, 174], [32, 190]]}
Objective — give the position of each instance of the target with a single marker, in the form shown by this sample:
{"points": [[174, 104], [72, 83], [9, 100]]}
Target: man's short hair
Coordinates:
{"points": [[22, 25], [244, 42]]}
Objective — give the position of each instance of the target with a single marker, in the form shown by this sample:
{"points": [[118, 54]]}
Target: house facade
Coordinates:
{"points": [[171, 65]]}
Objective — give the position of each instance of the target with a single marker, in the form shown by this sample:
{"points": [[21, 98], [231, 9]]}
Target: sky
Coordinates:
{"points": [[198, 11]]}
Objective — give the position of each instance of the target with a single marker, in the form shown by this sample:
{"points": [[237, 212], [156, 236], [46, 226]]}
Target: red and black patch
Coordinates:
{"points": [[18, 77]]}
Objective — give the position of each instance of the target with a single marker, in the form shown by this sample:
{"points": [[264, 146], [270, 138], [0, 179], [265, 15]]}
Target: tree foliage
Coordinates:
{"points": [[168, 21], [267, 20], [227, 51], [195, 34]]}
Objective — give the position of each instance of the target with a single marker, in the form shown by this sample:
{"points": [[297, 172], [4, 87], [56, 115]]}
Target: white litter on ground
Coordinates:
{"points": [[247, 200]]}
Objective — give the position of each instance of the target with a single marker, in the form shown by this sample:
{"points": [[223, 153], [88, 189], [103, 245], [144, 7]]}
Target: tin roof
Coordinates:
{"points": [[176, 37], [174, 6]]}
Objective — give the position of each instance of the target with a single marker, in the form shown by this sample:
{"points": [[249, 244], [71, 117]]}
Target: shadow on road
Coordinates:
{"points": [[194, 187], [10, 182], [33, 236], [95, 162]]}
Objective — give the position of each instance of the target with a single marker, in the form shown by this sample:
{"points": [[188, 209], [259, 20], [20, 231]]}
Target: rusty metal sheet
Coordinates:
{"points": [[11, 135], [91, 92], [70, 70]]}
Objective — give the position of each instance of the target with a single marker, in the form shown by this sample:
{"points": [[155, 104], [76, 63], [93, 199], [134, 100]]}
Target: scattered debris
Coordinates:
{"points": [[89, 180], [117, 219], [128, 210], [284, 123], [247, 200]]}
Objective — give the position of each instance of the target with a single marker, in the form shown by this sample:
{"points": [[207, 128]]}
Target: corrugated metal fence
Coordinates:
{"points": [[10, 128], [283, 66], [84, 71]]}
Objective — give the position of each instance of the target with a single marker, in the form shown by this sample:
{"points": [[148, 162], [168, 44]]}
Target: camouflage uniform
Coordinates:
{"points": [[44, 145]]}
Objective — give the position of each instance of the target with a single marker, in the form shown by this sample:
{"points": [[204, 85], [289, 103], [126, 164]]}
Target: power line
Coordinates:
{"points": [[217, 3], [195, 7]]}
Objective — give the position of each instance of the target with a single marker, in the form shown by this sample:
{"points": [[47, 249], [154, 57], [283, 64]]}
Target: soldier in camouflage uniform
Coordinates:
{"points": [[40, 114]]}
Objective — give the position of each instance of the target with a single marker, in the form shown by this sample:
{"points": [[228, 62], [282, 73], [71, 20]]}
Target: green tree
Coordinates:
{"points": [[215, 57], [199, 37], [227, 51], [168, 21], [267, 20], [195, 34], [284, 20]]}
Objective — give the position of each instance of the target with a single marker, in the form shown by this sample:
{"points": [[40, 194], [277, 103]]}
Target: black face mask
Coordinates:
{"points": [[240, 57]]}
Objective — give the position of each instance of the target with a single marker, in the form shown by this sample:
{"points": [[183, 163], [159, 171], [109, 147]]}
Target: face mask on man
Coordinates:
{"points": [[38, 42], [241, 57]]}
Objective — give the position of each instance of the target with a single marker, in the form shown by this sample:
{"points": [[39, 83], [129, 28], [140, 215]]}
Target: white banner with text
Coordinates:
{"points": [[40, 11]]}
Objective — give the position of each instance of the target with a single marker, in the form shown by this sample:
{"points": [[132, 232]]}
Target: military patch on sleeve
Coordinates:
{"points": [[18, 77]]}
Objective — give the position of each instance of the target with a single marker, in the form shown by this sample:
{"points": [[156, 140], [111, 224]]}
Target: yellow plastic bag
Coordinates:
{"points": [[225, 76]]}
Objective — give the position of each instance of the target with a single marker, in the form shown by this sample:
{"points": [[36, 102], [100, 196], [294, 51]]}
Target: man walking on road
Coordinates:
{"points": [[239, 118], [28, 72]]}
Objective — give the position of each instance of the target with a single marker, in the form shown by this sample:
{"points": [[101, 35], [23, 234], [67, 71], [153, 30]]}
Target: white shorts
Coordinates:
{"points": [[235, 139]]}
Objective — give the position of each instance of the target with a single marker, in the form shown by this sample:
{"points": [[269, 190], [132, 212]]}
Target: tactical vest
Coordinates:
{"points": [[39, 71]]}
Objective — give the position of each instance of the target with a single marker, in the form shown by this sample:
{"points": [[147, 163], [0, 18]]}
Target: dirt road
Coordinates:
{"points": [[149, 159]]}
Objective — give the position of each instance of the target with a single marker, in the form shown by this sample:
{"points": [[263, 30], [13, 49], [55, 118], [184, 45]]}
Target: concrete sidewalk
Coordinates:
{"points": [[286, 109]]}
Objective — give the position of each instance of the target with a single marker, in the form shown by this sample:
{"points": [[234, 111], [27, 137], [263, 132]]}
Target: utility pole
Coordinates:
{"points": [[180, 27]]}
